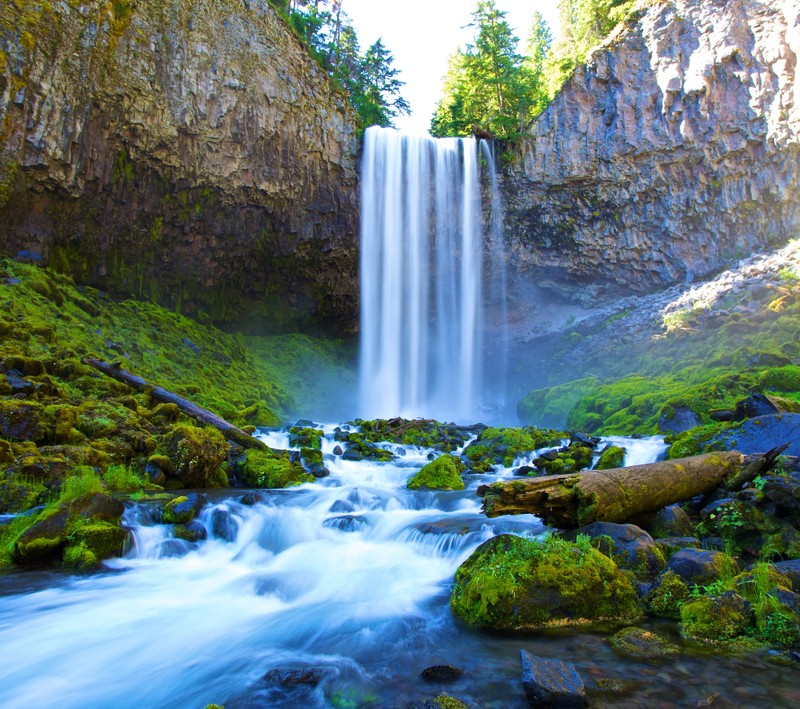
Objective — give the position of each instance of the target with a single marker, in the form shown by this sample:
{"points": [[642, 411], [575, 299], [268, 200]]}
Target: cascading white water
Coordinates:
{"points": [[346, 579], [422, 276]]}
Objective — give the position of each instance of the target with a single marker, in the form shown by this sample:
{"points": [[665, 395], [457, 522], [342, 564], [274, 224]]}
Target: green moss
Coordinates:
{"points": [[716, 618], [196, 453], [501, 446], [271, 469], [641, 644], [668, 595], [513, 583], [443, 473], [611, 457]]}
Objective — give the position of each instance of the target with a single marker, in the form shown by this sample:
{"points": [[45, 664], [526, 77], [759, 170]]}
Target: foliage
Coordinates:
{"points": [[490, 89], [271, 469], [584, 23], [121, 477], [369, 79]]}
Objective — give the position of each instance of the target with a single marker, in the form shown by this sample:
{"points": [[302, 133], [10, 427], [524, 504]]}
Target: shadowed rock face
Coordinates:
{"points": [[672, 151], [191, 152]]}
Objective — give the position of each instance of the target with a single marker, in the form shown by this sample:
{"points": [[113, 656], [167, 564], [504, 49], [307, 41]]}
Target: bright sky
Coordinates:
{"points": [[422, 34]]}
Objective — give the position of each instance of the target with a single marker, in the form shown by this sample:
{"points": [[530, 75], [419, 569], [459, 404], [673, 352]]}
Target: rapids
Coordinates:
{"points": [[349, 576]]}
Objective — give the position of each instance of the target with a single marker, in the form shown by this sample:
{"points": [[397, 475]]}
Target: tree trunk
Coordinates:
{"points": [[568, 501], [189, 408]]}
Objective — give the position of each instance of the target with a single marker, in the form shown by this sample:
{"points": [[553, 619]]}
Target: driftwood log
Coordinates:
{"points": [[165, 396], [615, 495]]}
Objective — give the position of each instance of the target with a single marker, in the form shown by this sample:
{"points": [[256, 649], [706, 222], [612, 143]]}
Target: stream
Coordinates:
{"points": [[348, 577]]}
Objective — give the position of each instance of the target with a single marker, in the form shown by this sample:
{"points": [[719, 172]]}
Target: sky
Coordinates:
{"points": [[422, 34]]}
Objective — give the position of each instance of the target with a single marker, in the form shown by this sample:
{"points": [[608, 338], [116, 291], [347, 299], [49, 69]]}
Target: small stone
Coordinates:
{"points": [[551, 683], [441, 673], [294, 677]]}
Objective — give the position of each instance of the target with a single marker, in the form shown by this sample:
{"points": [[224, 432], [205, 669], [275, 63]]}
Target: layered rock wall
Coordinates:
{"points": [[674, 150], [190, 151]]}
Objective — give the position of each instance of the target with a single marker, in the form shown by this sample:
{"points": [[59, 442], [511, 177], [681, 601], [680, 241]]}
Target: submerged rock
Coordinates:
{"points": [[551, 683], [441, 673], [639, 643], [294, 676]]}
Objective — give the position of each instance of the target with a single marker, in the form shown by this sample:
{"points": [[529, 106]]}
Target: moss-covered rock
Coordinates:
{"points": [[501, 446], [179, 510], [572, 459], [305, 437], [717, 618], [443, 473], [514, 583], [629, 546], [197, 454], [641, 644], [667, 595], [271, 469], [611, 457], [90, 520]]}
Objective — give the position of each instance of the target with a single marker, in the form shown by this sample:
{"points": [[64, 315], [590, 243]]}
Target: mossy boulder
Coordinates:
{"points": [[305, 437], [180, 510], [717, 618], [271, 469], [667, 595], [701, 566], [197, 454], [90, 521], [570, 459], [611, 457], [641, 644], [672, 521], [629, 546], [514, 583], [20, 493], [501, 446], [313, 462], [443, 473]]}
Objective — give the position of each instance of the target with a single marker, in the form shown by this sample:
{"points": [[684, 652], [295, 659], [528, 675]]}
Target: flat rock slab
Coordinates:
{"points": [[551, 683], [763, 433]]}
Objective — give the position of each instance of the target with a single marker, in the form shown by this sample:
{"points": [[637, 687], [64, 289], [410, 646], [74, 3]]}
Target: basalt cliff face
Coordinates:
{"points": [[188, 151], [674, 150]]}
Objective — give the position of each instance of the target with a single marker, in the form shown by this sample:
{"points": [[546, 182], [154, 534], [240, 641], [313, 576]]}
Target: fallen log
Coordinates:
{"points": [[615, 495], [165, 396]]}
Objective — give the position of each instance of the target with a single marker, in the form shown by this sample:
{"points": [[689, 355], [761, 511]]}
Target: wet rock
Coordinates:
{"points": [[678, 420], [345, 523], [444, 701], [441, 673], [758, 435], [699, 566], [669, 545], [715, 618], [721, 415], [639, 643], [192, 531], [672, 521], [337, 450], [551, 683], [610, 457], [757, 405], [525, 470], [783, 490], [154, 473], [183, 509], [294, 676], [629, 546], [252, 498], [223, 525], [790, 569], [341, 506], [352, 454]]}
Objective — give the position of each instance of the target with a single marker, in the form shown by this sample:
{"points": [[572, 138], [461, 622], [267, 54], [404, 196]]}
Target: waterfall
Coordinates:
{"points": [[423, 275]]}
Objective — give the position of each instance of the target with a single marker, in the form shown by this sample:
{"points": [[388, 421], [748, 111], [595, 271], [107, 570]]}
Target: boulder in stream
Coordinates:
{"points": [[551, 683]]}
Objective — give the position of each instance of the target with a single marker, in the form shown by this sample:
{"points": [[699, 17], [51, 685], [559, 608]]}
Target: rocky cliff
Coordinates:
{"points": [[188, 151], [674, 150]]}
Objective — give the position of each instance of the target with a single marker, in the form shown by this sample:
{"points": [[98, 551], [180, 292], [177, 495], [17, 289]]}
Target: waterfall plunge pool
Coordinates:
{"points": [[349, 578]]}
